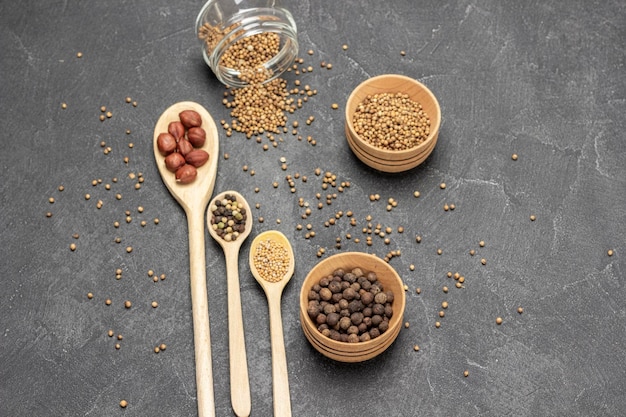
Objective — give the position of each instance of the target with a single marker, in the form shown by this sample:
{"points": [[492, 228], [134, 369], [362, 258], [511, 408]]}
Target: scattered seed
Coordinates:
{"points": [[334, 106], [520, 310], [416, 348], [442, 185], [610, 252], [533, 217], [123, 403], [89, 295], [514, 157], [128, 304], [465, 373], [499, 320]]}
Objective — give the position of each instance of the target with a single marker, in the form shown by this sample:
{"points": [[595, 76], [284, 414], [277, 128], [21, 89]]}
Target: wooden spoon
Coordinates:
{"points": [[273, 292], [194, 197], [239, 382]]}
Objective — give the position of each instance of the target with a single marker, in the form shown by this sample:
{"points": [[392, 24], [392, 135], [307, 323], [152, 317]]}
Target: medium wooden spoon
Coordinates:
{"points": [[193, 198], [273, 292], [239, 382]]}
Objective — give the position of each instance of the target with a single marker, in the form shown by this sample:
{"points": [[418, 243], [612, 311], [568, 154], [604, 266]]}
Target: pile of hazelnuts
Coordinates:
{"points": [[350, 306], [180, 146]]}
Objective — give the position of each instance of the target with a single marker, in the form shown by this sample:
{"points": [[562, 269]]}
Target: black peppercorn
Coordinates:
{"points": [[350, 306], [326, 294], [332, 319], [349, 293]]}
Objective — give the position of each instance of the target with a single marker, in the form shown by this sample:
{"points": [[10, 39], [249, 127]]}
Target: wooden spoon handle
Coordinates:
{"points": [[280, 377], [239, 382], [200, 312]]}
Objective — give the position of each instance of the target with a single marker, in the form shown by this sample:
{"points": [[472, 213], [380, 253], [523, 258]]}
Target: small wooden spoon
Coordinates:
{"points": [[273, 292], [193, 198], [239, 382]]}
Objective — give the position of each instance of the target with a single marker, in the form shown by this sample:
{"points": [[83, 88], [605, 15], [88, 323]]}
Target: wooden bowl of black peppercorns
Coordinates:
{"points": [[351, 306]]}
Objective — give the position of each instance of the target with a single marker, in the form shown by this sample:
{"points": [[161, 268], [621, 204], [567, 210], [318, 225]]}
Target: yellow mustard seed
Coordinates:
{"points": [[271, 259]]}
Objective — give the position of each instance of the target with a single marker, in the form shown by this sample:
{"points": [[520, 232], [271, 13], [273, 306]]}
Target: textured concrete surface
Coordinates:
{"points": [[544, 80]]}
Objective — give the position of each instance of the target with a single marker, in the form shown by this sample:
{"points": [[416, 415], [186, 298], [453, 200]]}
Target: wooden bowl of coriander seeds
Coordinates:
{"points": [[392, 122], [351, 306]]}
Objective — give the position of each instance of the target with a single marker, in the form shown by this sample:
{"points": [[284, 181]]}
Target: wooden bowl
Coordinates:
{"points": [[360, 351], [390, 160]]}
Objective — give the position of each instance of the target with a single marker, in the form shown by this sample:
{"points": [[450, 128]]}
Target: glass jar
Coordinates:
{"points": [[246, 41]]}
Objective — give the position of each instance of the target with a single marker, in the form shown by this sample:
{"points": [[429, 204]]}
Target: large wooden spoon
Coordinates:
{"points": [[239, 381], [273, 291], [194, 198]]}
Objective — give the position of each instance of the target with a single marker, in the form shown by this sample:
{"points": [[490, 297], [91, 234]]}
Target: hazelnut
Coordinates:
{"points": [[197, 136], [174, 161], [166, 143], [186, 174], [197, 157], [190, 118], [176, 129], [184, 146]]}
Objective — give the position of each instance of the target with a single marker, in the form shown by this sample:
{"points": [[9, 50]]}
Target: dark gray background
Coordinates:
{"points": [[545, 80]]}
